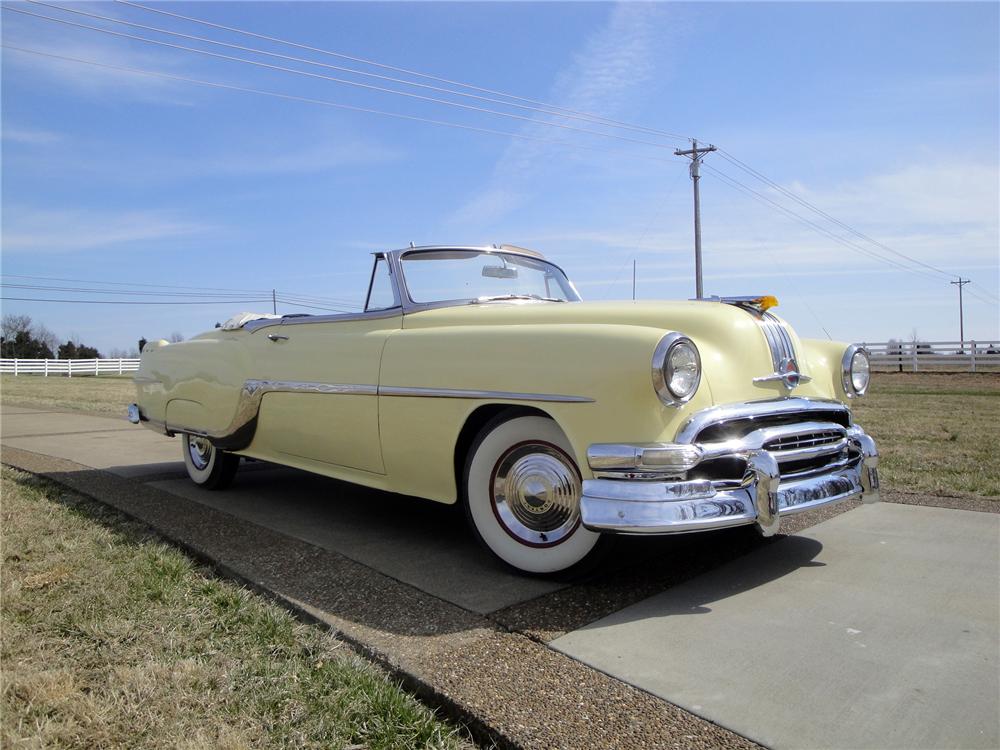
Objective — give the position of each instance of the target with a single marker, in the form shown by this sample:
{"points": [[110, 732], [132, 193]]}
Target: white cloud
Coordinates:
{"points": [[92, 80], [930, 193], [30, 136], [336, 154], [605, 77], [488, 206], [34, 230]]}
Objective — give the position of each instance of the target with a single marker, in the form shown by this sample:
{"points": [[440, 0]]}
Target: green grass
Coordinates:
{"points": [[104, 394], [113, 639], [937, 433]]}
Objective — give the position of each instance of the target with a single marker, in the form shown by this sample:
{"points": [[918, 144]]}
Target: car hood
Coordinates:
{"points": [[692, 318], [733, 344]]}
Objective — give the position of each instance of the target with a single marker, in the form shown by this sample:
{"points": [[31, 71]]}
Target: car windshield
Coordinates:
{"points": [[478, 276]]}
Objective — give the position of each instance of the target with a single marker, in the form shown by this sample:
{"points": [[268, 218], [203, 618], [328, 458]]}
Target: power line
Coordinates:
{"points": [[133, 283], [334, 79], [593, 118], [984, 290], [798, 217], [202, 292], [736, 184], [126, 302], [85, 290], [286, 301], [801, 201], [427, 76], [336, 105], [545, 109], [578, 115]]}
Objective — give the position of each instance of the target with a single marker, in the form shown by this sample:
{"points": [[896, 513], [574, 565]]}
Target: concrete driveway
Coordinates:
{"points": [[876, 628]]}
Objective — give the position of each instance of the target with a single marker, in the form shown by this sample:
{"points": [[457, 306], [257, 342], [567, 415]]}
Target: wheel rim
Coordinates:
{"points": [[535, 492], [200, 451]]}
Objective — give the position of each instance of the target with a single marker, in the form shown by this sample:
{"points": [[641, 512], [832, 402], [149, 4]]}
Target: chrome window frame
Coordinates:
{"points": [[396, 258], [392, 282], [405, 303]]}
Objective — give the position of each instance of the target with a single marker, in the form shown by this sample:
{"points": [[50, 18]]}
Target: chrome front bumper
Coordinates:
{"points": [[645, 505]]}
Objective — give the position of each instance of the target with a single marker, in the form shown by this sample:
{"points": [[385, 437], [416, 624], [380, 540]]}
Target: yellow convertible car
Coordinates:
{"points": [[476, 375]]}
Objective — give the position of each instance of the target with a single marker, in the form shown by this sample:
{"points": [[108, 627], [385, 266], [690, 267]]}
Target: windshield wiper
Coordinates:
{"points": [[503, 297]]}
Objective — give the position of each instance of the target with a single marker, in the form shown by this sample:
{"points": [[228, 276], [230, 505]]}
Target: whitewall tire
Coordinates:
{"points": [[208, 466], [521, 493]]}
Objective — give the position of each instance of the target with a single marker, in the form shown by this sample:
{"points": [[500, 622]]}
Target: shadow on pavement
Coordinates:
{"points": [[396, 564]]}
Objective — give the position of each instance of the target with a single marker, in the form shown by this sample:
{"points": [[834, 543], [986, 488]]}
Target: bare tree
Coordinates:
{"points": [[176, 337], [11, 325], [44, 336], [132, 353]]}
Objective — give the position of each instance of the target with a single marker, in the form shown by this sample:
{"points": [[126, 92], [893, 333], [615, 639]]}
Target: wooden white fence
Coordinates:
{"points": [[910, 356], [68, 367], [905, 356]]}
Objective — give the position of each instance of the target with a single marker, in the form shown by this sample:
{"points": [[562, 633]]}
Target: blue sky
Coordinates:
{"points": [[885, 115]]}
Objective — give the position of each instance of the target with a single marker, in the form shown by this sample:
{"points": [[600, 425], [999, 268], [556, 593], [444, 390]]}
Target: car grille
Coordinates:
{"points": [[805, 440], [799, 455], [736, 428]]}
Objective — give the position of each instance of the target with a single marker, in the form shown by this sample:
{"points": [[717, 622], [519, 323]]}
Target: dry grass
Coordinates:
{"points": [[937, 432], [105, 394], [112, 639]]}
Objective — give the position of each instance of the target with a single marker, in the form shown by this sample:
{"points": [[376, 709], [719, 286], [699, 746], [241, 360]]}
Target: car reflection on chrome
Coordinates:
{"points": [[476, 375]]}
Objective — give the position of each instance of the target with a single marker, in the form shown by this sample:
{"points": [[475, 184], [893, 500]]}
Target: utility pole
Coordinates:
{"points": [[274, 302], [961, 313], [696, 155]]}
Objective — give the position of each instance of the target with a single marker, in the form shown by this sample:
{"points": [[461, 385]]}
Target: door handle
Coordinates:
{"points": [[277, 337]]}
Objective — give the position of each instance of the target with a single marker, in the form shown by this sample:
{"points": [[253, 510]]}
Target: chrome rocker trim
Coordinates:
{"points": [[240, 431], [633, 491]]}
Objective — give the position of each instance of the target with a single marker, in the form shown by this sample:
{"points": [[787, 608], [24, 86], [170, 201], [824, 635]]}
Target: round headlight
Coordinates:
{"points": [[857, 371], [676, 369]]}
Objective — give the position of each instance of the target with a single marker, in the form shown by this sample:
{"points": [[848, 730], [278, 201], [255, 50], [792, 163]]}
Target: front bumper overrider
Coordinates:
{"points": [[638, 500]]}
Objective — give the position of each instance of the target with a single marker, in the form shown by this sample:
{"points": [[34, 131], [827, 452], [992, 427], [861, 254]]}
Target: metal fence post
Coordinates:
{"points": [[973, 356]]}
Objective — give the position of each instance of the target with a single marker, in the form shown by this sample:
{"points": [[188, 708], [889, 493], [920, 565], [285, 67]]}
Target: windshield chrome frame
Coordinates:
{"points": [[404, 304], [395, 258]]}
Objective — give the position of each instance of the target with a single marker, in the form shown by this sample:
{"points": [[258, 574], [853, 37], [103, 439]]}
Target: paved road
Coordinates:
{"points": [[877, 628]]}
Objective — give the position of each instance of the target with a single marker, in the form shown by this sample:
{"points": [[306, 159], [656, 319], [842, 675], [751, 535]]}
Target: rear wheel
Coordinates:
{"points": [[522, 493], [208, 466]]}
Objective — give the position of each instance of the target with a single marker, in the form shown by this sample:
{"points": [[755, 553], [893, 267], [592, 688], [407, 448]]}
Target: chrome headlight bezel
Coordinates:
{"points": [[662, 374], [847, 368]]}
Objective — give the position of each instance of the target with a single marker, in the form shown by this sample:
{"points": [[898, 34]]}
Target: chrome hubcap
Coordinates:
{"points": [[536, 494], [201, 452]]}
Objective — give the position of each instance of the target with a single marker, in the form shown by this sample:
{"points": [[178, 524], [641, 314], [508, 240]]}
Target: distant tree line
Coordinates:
{"points": [[22, 338]]}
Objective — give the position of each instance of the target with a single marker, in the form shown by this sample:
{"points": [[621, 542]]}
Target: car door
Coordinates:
{"points": [[321, 404]]}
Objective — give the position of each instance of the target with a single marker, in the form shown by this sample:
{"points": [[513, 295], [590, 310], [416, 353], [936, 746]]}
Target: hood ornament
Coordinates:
{"points": [[788, 374]]}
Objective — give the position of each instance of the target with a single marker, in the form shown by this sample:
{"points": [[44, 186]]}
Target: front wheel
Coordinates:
{"points": [[208, 466], [522, 493]]}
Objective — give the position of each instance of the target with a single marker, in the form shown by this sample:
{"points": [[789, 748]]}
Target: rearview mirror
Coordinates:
{"points": [[499, 272]]}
